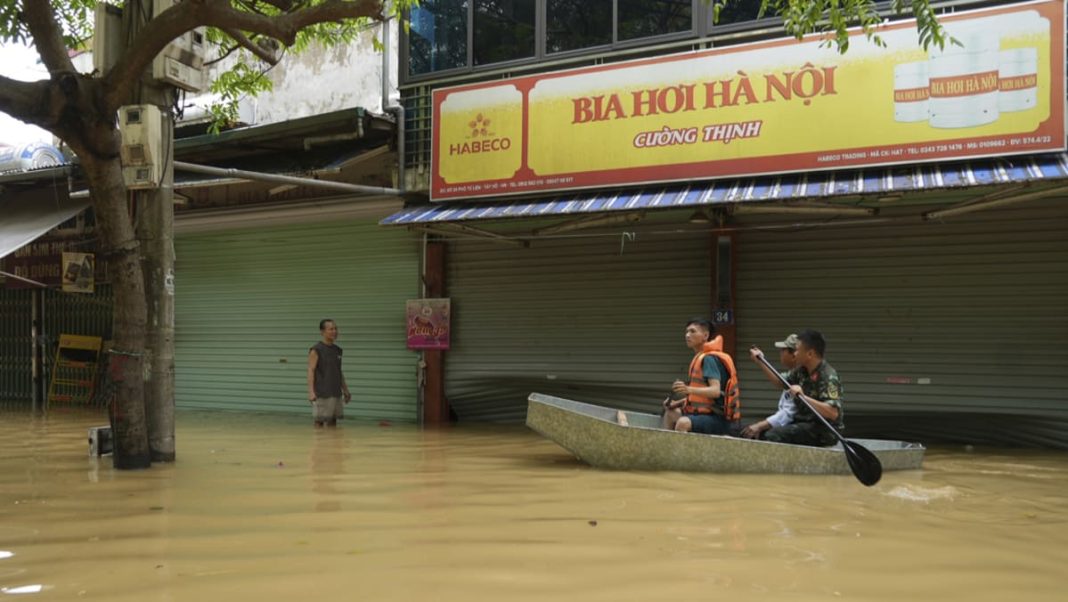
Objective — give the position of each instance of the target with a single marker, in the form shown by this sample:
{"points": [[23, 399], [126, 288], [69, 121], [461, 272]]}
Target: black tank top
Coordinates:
{"points": [[327, 370]]}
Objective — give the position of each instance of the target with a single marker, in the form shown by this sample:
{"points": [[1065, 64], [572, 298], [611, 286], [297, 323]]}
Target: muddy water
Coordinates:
{"points": [[263, 508]]}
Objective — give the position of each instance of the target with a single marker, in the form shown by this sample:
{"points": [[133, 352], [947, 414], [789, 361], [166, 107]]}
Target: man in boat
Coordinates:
{"points": [[709, 401], [785, 414], [818, 381]]}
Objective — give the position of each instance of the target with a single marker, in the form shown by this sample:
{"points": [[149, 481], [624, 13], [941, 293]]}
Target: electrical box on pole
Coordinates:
{"points": [[142, 151], [181, 63], [107, 36]]}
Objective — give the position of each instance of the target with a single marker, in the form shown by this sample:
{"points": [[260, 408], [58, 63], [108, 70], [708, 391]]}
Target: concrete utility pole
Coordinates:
{"points": [[155, 233]]}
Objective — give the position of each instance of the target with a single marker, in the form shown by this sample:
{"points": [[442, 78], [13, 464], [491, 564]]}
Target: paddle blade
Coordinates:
{"points": [[864, 464]]}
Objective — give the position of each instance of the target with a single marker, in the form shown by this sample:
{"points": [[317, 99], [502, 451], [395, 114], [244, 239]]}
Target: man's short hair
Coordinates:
{"points": [[324, 322], [813, 340], [703, 323]]}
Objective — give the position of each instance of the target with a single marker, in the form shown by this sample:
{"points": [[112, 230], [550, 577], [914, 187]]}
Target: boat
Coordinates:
{"points": [[593, 435]]}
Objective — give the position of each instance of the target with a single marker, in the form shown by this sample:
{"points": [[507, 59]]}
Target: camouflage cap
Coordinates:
{"points": [[790, 343]]}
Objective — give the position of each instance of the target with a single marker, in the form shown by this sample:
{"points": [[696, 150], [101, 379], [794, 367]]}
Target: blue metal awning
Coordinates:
{"points": [[790, 187]]}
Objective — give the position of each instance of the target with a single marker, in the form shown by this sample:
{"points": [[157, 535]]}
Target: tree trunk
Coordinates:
{"points": [[126, 360]]}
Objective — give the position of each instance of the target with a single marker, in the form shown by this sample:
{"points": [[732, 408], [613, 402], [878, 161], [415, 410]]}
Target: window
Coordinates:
{"points": [[504, 30], [577, 24], [471, 35], [740, 11], [645, 18], [437, 40]]}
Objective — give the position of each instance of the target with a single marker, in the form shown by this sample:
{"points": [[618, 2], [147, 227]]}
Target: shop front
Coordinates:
{"points": [[51, 284], [278, 231], [773, 186], [250, 297]]}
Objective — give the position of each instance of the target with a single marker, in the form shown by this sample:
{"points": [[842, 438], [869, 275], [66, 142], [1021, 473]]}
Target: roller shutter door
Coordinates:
{"points": [[598, 319], [248, 303], [951, 330]]}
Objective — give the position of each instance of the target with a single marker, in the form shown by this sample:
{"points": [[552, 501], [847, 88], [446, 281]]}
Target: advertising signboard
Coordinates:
{"points": [[764, 108]]}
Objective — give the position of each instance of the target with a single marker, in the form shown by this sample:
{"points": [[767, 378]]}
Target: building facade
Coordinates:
{"points": [[642, 164]]}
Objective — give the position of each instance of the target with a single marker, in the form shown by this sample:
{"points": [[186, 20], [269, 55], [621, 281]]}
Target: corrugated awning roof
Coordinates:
{"points": [[319, 161], [819, 185], [29, 215], [342, 129], [34, 177]]}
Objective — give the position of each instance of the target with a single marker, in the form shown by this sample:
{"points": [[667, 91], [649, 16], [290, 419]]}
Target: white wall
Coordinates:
{"points": [[316, 81], [321, 80]]}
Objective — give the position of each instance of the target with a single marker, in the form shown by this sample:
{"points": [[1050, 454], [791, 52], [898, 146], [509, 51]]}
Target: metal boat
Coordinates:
{"points": [[593, 435]]}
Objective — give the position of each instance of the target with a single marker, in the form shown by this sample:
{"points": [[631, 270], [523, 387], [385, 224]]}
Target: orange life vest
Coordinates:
{"points": [[728, 404]]}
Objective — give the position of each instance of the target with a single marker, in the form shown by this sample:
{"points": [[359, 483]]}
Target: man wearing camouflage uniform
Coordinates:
{"points": [[786, 410], [818, 381]]}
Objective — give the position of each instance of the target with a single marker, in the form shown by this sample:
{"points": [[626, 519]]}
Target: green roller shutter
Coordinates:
{"points": [[949, 330], [597, 319], [248, 304]]}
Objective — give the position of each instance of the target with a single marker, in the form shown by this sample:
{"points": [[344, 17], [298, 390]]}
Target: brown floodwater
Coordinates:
{"points": [[264, 508]]}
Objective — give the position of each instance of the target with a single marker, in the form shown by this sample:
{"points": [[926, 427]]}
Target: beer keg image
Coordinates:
{"points": [[1017, 79], [964, 81], [911, 92]]}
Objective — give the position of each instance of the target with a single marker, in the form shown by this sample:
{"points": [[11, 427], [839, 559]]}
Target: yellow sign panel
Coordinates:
{"points": [[763, 108]]}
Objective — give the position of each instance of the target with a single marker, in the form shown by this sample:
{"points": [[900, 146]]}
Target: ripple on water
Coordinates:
{"points": [[916, 493]]}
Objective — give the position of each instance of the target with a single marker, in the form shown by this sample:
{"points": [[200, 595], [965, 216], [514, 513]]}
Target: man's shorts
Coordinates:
{"points": [[327, 408], [709, 424], [804, 433]]}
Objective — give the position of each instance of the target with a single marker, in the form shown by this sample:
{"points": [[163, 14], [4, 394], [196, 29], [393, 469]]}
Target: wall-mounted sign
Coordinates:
{"points": [[43, 261], [428, 323], [763, 108], [78, 272]]}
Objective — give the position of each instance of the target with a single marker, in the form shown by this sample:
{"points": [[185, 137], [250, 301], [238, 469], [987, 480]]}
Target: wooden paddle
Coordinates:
{"points": [[864, 464]]}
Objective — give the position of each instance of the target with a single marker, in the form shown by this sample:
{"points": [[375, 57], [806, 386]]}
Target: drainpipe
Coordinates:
{"points": [[390, 107], [398, 110]]}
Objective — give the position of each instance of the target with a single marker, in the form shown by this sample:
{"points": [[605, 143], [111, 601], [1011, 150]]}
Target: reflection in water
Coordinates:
{"points": [[327, 465], [263, 508]]}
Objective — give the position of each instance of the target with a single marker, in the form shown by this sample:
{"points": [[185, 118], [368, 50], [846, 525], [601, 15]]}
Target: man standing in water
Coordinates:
{"points": [[785, 415], [326, 383], [817, 380], [709, 401]]}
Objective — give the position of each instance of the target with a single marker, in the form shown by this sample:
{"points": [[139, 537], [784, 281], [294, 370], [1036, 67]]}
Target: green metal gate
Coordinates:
{"points": [[83, 314], [16, 346]]}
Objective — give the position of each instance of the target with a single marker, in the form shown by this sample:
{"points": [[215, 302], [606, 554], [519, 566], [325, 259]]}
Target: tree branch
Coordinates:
{"points": [[282, 5], [223, 56], [47, 36], [188, 15], [264, 54], [21, 99]]}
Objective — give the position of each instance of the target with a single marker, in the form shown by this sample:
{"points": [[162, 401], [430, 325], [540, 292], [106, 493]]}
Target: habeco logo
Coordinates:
{"points": [[481, 139]]}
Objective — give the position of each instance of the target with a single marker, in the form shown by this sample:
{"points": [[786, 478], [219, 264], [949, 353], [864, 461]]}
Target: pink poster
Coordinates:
{"points": [[428, 323]]}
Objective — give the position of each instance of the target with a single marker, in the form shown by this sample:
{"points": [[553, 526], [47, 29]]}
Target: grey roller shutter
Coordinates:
{"points": [[248, 303], [951, 330], [596, 319]]}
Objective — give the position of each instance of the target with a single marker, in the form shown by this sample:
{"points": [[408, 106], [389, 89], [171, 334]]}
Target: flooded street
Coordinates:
{"points": [[264, 508]]}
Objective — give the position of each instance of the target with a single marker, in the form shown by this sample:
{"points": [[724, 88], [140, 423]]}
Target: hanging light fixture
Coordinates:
{"points": [[700, 217]]}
